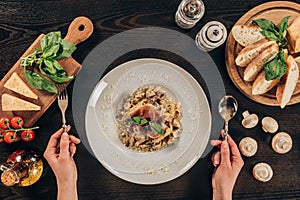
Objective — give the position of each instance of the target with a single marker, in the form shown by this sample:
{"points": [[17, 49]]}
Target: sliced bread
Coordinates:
{"points": [[251, 51], [257, 64], [246, 35], [261, 85], [288, 83]]}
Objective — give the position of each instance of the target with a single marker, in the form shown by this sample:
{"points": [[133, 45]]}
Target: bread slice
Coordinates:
{"points": [[16, 84], [293, 35], [288, 83], [250, 52], [261, 85], [257, 64], [298, 60], [11, 103], [246, 35]]}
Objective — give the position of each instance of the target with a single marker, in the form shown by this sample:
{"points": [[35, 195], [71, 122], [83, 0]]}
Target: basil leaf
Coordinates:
{"points": [[58, 79], [50, 39], [39, 82], [264, 24], [50, 51], [270, 35], [276, 67], [283, 26], [136, 120], [268, 29], [143, 121], [139, 120], [57, 66], [67, 48], [156, 128], [49, 67]]}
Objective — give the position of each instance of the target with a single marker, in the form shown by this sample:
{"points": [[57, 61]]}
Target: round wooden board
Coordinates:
{"points": [[273, 11]]}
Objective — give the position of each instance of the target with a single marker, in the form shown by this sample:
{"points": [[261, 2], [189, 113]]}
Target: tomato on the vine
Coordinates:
{"points": [[4, 123], [17, 122], [1, 136], [10, 137], [27, 135]]}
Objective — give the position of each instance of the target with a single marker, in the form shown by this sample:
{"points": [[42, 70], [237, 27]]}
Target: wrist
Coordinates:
{"points": [[67, 190], [222, 195]]}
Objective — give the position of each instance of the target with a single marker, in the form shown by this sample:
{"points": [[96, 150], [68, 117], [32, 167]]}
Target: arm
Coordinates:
{"points": [[228, 164], [62, 163]]}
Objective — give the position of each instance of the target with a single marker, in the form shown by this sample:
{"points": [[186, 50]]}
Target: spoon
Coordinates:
{"points": [[227, 108]]}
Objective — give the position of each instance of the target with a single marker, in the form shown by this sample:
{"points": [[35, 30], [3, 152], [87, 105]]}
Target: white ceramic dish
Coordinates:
{"points": [[147, 167]]}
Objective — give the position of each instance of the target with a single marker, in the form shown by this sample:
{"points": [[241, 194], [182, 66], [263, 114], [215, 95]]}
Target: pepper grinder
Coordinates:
{"points": [[189, 12]]}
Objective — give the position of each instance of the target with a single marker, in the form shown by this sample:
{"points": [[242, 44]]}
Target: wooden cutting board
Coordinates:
{"points": [[79, 30], [273, 11]]}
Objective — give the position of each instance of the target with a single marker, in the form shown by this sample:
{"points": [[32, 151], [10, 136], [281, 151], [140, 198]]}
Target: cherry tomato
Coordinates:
{"points": [[27, 135], [1, 136], [10, 137], [17, 122], [4, 123]]}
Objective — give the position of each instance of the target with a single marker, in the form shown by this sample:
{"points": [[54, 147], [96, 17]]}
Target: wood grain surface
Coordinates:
{"points": [[273, 11], [79, 30], [21, 22]]}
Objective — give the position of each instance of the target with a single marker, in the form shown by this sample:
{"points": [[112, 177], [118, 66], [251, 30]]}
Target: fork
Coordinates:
{"points": [[62, 100]]}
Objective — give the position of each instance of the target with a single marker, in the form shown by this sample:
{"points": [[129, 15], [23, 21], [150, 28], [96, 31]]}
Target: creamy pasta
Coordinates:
{"points": [[149, 120]]}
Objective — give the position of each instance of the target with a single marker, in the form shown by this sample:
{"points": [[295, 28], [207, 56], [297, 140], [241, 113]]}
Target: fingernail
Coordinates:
{"points": [[225, 145], [65, 136]]}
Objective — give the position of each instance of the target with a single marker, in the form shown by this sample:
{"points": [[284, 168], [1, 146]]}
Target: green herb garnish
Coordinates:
{"points": [[153, 125], [45, 60], [276, 67], [268, 29]]}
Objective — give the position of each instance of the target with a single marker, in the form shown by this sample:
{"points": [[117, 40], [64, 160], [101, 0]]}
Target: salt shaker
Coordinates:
{"points": [[189, 12], [212, 35]]}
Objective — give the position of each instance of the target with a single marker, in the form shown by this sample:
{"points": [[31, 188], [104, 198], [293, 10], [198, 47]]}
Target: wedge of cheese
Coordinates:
{"points": [[16, 84], [11, 103]]}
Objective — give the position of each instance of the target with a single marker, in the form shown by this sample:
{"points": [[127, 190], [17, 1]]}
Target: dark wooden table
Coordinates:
{"points": [[22, 21]]}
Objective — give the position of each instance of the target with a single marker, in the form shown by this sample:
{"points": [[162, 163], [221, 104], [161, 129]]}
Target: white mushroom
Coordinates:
{"points": [[250, 120], [262, 172], [248, 146], [282, 143], [269, 125]]}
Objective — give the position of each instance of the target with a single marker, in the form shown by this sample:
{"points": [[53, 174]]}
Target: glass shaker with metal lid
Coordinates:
{"points": [[189, 12], [212, 35]]}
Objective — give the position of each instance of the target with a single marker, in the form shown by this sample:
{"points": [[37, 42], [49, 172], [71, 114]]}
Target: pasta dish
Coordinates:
{"points": [[148, 120]]}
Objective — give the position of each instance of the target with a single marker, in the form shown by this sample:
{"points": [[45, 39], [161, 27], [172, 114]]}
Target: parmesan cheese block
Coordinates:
{"points": [[11, 103], [16, 84]]}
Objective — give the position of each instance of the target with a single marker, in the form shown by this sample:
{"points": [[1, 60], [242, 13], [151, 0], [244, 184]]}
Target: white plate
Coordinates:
{"points": [[147, 167]]}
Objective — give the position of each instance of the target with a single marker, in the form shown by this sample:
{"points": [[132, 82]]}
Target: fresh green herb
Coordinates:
{"points": [[139, 120], [45, 60], [39, 82], [143, 121], [268, 29], [156, 128], [276, 67]]}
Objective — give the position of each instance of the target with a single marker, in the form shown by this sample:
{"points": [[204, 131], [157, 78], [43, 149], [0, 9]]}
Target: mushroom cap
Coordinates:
{"points": [[282, 143], [262, 172], [248, 146], [269, 125], [250, 120]]}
